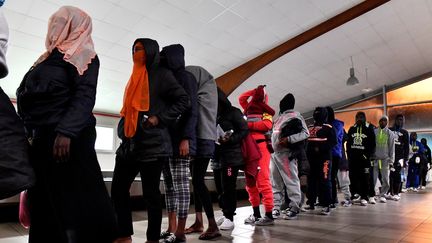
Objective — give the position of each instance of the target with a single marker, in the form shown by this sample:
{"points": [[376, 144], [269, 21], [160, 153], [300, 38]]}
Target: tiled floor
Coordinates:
{"points": [[409, 220]]}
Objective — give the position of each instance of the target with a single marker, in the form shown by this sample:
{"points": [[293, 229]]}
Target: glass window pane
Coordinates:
{"points": [[348, 117], [420, 91], [105, 138]]}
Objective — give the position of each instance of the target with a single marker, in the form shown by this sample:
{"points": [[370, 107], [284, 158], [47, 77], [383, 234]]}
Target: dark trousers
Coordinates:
{"points": [[69, 203], [360, 178], [395, 181], [334, 180], [372, 183], [413, 179], [125, 171], [226, 186], [320, 184], [423, 174], [201, 194]]}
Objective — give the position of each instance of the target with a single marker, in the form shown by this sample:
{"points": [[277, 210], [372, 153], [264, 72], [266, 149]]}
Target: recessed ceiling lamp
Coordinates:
{"points": [[352, 80]]}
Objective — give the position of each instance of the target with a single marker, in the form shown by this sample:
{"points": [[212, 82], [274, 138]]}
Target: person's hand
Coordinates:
{"points": [[152, 121], [61, 149], [283, 141], [223, 139], [184, 148]]}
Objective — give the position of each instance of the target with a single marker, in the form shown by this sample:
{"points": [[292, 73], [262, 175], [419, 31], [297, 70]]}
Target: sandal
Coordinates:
{"points": [[209, 235], [191, 230]]}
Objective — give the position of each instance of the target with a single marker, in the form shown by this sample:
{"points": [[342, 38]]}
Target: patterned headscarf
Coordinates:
{"points": [[69, 30]]}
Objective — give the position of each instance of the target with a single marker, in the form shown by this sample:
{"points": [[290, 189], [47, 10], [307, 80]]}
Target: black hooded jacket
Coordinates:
{"points": [[172, 57], [401, 144], [167, 101], [361, 144], [230, 118], [322, 137]]}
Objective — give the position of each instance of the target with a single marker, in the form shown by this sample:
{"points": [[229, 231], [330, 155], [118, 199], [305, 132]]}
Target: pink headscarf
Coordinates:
{"points": [[69, 30]]}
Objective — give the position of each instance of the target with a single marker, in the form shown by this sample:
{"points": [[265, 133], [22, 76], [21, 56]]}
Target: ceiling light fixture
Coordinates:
{"points": [[352, 80]]}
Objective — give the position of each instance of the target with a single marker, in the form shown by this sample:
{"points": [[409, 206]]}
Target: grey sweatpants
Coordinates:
{"points": [[285, 173], [383, 167], [344, 183]]}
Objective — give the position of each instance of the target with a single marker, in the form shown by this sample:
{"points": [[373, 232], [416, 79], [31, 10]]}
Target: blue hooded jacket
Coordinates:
{"points": [[339, 129]]}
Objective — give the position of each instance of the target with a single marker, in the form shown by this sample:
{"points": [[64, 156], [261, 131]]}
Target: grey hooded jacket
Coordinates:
{"points": [[385, 144]]}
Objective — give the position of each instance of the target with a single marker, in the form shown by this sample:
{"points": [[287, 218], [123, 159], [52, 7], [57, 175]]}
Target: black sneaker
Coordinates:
{"points": [[290, 215], [333, 206], [325, 211]]}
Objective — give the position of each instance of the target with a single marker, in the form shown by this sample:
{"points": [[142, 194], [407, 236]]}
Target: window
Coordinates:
{"points": [[105, 139]]}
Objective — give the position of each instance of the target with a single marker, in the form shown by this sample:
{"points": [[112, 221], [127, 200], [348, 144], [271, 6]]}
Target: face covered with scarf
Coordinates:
{"points": [[136, 97]]}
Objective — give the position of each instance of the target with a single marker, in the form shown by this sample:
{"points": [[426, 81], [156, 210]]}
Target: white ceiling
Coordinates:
{"points": [[392, 41]]}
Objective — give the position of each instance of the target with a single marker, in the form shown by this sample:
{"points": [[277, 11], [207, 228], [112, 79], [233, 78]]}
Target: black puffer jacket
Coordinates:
{"points": [[172, 57], [230, 118], [54, 94], [16, 173], [167, 101]]}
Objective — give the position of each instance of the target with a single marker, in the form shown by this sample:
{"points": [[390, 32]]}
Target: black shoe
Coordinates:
{"points": [[325, 211], [332, 206]]}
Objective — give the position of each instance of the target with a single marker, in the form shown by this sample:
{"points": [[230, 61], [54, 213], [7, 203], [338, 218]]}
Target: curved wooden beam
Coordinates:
{"points": [[234, 78]]}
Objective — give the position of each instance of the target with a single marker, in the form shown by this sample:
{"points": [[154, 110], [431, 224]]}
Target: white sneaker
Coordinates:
{"points": [[404, 190], [383, 200], [396, 197], [371, 200], [220, 220], [422, 188], [388, 196], [227, 225], [356, 199], [363, 202], [415, 190]]}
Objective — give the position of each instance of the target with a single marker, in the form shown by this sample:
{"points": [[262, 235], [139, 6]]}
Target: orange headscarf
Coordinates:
{"points": [[69, 30], [136, 97]]}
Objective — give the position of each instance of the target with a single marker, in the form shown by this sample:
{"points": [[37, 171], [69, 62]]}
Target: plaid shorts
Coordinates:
{"points": [[176, 180]]}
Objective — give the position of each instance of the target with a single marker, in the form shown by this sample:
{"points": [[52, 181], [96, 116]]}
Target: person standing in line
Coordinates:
{"points": [[260, 121], [401, 156], [183, 136], [343, 175], [427, 166], [228, 158], [415, 163], [384, 156], [206, 136], [321, 141], [284, 162], [338, 126], [15, 169], [153, 100], [360, 148], [69, 202]]}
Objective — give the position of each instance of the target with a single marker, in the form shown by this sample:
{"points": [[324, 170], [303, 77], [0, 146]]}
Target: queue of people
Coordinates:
{"points": [[175, 122]]}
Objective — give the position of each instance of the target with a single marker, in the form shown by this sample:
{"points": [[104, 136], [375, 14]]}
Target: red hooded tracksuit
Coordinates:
{"points": [[259, 124]]}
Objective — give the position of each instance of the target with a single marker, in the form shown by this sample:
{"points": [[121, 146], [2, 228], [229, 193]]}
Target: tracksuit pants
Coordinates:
{"points": [[413, 179], [320, 182], [285, 172], [226, 186], [263, 184], [395, 179], [334, 179], [360, 178], [344, 183], [382, 167]]}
